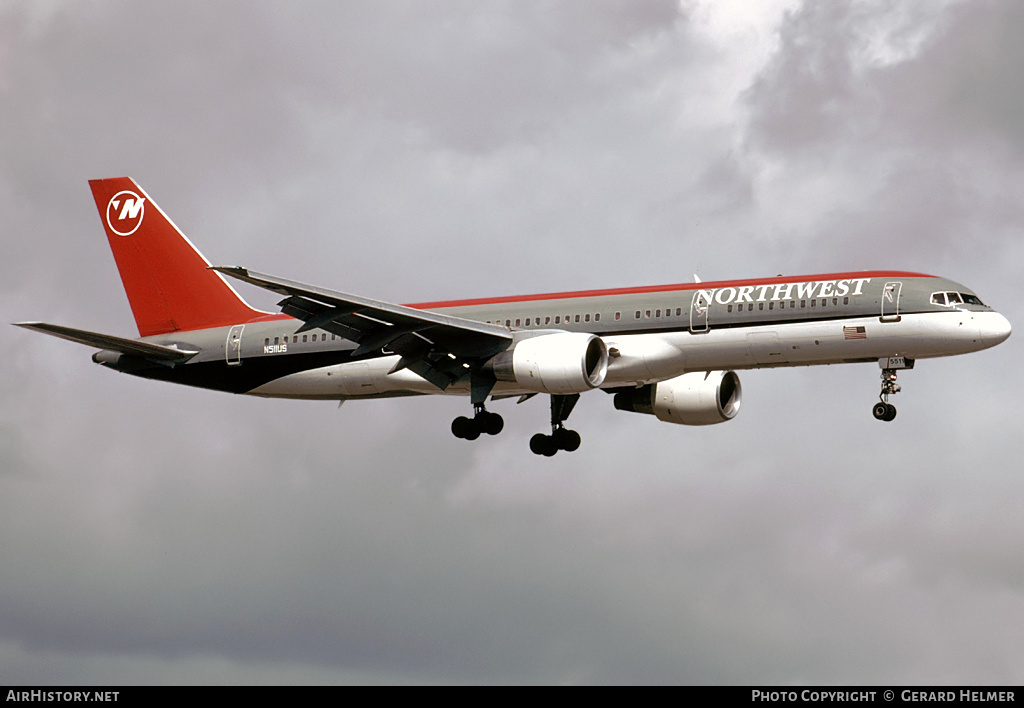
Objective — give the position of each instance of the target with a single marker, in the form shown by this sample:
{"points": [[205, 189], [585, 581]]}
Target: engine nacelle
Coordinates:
{"points": [[563, 362], [691, 399]]}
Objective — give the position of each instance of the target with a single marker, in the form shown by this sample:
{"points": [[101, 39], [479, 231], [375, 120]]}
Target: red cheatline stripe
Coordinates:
{"points": [[666, 288]]}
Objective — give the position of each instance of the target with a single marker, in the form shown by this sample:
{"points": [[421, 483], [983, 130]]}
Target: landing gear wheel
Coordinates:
{"points": [[490, 423], [568, 440], [884, 411], [483, 422], [463, 427], [541, 444]]}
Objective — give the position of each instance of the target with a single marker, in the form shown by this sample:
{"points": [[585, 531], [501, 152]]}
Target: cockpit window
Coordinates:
{"points": [[952, 299]]}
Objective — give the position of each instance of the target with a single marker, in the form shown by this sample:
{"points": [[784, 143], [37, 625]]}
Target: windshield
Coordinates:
{"points": [[950, 299]]}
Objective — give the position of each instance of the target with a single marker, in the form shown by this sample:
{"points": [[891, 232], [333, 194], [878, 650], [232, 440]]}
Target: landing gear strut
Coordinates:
{"points": [[483, 421], [561, 438], [883, 410]]}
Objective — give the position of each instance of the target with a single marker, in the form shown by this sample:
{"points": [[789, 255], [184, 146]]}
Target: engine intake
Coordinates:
{"points": [[691, 399], [564, 362]]}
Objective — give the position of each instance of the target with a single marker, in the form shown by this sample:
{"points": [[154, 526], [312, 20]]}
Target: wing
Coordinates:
{"points": [[440, 348], [146, 350]]}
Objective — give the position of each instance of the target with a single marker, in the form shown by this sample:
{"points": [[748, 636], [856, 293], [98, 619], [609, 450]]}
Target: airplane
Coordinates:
{"points": [[670, 351]]}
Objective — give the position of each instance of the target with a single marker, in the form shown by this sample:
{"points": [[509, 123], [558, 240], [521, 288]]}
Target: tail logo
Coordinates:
{"points": [[126, 210]]}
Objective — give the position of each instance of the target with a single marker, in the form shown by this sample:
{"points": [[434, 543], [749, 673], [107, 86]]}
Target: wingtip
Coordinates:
{"points": [[229, 270]]}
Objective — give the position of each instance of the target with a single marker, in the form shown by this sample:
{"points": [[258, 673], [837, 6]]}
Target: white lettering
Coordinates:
{"points": [[783, 291], [805, 290], [722, 299], [773, 696], [131, 208], [860, 284]]}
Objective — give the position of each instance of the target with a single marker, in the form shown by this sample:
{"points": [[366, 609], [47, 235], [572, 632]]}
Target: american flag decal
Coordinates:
{"points": [[855, 333]]}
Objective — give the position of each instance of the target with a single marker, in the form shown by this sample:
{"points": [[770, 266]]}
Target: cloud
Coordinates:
{"points": [[413, 152]]}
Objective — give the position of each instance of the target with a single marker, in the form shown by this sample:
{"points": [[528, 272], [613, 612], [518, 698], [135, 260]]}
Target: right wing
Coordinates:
{"points": [[440, 348]]}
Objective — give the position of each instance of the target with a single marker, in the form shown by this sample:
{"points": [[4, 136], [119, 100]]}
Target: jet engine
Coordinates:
{"points": [[561, 363], [691, 399]]}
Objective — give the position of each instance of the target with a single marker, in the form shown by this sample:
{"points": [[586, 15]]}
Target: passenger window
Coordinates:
{"points": [[577, 318], [729, 308], [586, 318], [266, 342], [547, 320], [597, 317], [527, 321], [518, 321], [558, 319], [638, 314], [617, 316], [647, 314], [657, 313]]}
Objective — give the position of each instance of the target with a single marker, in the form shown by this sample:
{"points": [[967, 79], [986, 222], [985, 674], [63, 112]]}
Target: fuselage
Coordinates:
{"points": [[652, 334]]}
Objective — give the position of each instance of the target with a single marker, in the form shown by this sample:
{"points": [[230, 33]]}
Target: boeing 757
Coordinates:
{"points": [[669, 351]]}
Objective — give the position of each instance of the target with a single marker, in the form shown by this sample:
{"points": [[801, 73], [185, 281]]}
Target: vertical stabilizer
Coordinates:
{"points": [[166, 279]]}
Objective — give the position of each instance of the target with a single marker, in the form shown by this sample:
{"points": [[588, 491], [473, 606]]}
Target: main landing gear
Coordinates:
{"points": [[483, 421], [561, 438]]}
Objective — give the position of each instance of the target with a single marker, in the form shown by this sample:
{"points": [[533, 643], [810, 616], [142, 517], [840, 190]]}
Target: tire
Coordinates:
{"points": [[541, 444], [880, 410], [890, 413], [568, 440], [463, 427], [491, 423]]}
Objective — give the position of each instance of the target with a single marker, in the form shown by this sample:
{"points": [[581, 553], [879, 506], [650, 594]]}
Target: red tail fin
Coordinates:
{"points": [[165, 277]]}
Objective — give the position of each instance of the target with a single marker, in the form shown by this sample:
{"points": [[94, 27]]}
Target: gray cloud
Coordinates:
{"points": [[417, 151]]}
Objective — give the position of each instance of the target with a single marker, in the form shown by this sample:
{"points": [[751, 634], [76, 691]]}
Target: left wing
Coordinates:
{"points": [[147, 350], [440, 348]]}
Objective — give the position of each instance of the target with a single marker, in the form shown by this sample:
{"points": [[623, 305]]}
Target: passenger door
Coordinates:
{"points": [[891, 301]]}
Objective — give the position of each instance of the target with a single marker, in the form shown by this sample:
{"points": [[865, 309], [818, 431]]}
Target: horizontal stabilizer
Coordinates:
{"points": [[154, 352]]}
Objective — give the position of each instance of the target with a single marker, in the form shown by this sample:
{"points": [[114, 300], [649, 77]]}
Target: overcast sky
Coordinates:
{"points": [[417, 151]]}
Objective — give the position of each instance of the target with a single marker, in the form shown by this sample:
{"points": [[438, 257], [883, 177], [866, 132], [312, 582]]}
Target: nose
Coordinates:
{"points": [[993, 328]]}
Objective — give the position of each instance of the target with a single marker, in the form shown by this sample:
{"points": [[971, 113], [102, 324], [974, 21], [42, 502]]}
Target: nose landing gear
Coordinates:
{"points": [[883, 410]]}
